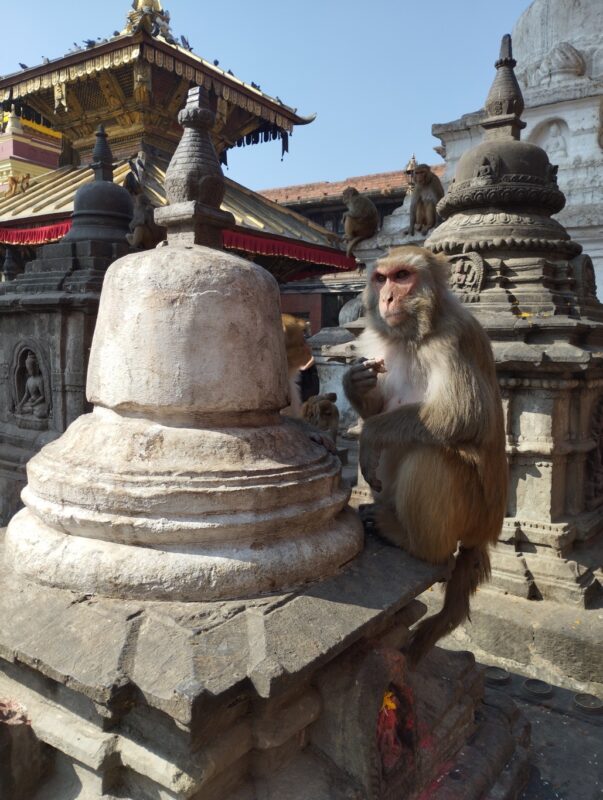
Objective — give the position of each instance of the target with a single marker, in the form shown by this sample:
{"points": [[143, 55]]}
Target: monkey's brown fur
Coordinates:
{"points": [[298, 355], [361, 220], [433, 438], [427, 191], [321, 411]]}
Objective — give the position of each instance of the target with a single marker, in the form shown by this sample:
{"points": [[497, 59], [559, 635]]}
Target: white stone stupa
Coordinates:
{"points": [[185, 482]]}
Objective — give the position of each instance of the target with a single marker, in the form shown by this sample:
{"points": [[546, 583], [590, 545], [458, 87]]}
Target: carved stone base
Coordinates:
{"points": [[274, 698], [217, 513]]}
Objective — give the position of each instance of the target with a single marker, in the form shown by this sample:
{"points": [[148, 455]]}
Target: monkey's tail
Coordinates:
{"points": [[472, 567], [353, 244]]}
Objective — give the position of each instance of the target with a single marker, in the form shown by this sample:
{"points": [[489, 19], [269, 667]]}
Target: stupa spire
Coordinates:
{"points": [[504, 104], [194, 182], [102, 157]]}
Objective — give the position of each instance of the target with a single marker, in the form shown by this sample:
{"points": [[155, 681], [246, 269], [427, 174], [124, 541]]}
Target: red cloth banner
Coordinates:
{"points": [[35, 236], [273, 246]]}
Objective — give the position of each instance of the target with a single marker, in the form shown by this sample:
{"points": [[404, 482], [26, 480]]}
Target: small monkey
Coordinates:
{"points": [[428, 190], [298, 355], [321, 412], [433, 441], [361, 220]]}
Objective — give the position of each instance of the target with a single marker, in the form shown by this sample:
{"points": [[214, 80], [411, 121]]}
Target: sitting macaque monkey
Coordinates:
{"points": [[361, 220], [433, 441], [298, 355], [428, 190], [13, 185], [321, 412]]}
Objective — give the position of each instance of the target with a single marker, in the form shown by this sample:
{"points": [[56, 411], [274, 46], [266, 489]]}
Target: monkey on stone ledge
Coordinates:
{"points": [[361, 220], [427, 191], [433, 441]]}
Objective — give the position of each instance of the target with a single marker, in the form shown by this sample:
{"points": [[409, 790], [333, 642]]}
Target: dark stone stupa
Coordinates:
{"points": [[534, 291], [48, 312]]}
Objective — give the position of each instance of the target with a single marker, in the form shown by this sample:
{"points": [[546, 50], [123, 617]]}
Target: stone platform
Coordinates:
{"points": [[274, 697], [545, 640]]}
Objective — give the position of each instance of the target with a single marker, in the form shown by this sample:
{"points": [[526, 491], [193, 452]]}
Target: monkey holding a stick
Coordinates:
{"points": [[433, 441]]}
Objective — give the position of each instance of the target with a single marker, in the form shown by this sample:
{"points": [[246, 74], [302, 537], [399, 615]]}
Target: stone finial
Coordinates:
{"points": [[14, 123], [194, 182], [504, 104], [102, 157]]}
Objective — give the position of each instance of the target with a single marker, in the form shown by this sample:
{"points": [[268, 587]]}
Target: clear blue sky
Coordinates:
{"points": [[378, 73]]}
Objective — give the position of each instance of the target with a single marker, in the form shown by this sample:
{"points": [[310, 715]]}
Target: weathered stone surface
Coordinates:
{"points": [[178, 653], [22, 756], [174, 700], [549, 641], [182, 297]]}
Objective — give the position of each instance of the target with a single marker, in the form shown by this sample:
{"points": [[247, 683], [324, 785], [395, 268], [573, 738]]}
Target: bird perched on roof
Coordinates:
{"points": [[186, 44], [23, 66], [216, 62], [88, 43]]}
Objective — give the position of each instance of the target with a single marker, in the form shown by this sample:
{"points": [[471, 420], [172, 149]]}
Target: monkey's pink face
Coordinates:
{"points": [[394, 286]]}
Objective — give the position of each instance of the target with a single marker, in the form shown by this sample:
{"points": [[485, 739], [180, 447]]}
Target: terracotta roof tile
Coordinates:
{"points": [[379, 183]]}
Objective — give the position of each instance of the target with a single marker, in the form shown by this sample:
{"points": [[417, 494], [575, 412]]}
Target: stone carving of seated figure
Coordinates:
{"points": [[555, 145], [34, 401]]}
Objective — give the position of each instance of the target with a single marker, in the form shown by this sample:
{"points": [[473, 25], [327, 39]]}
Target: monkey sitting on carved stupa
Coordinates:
{"points": [[361, 220]]}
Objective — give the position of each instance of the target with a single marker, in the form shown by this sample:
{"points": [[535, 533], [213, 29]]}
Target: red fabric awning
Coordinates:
{"points": [[233, 240], [298, 251], [42, 235]]}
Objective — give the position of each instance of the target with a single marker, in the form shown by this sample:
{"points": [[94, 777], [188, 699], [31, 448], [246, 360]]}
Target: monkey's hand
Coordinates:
{"points": [[324, 441], [370, 454], [359, 382]]}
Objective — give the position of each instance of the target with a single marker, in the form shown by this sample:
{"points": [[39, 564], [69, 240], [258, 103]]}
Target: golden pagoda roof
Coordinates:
{"points": [[36, 85]]}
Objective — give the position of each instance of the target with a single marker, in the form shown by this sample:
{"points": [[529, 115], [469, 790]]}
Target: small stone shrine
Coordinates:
{"points": [[187, 607], [533, 290], [48, 315]]}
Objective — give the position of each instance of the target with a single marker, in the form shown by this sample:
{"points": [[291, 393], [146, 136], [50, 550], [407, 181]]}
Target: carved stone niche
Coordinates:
{"points": [[370, 728], [30, 388], [466, 276], [594, 465]]}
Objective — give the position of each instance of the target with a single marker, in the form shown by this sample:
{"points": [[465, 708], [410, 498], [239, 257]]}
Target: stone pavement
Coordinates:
{"points": [[567, 744]]}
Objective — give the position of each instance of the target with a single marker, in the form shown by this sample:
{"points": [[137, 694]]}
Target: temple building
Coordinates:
{"points": [[134, 84], [558, 47]]}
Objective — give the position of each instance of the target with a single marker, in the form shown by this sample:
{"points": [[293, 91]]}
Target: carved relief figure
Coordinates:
{"points": [[489, 170], [60, 97], [361, 220], [34, 400], [555, 145], [142, 81], [428, 190], [467, 276]]}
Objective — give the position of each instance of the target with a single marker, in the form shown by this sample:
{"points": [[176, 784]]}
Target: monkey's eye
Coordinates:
{"points": [[379, 278], [402, 274]]}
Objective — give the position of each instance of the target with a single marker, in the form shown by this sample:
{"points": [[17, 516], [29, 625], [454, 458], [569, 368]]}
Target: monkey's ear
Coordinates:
{"points": [[441, 267]]}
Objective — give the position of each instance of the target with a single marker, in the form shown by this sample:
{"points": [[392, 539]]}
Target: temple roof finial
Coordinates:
{"points": [[102, 157], [504, 104], [194, 182]]}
